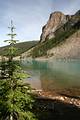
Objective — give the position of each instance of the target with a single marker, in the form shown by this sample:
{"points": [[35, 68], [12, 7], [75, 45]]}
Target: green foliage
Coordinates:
{"points": [[16, 99]]}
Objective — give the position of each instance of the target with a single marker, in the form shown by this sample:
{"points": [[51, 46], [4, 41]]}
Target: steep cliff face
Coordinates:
{"points": [[56, 20]]}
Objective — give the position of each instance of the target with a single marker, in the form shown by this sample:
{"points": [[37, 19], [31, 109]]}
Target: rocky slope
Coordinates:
{"points": [[69, 49]]}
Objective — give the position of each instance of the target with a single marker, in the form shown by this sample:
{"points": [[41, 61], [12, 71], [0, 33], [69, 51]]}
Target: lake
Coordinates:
{"points": [[56, 75]]}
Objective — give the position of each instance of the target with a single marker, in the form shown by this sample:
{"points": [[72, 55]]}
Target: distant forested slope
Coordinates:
{"points": [[22, 47]]}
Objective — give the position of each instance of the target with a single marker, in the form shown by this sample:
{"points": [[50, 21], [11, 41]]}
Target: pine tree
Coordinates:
{"points": [[16, 99]]}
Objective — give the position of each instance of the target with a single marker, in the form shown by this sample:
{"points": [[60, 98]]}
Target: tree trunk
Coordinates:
{"points": [[11, 117]]}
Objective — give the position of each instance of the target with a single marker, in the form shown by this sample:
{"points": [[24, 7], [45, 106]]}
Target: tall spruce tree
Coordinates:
{"points": [[16, 99]]}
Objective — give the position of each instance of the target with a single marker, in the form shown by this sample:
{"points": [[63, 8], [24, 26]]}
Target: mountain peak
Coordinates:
{"points": [[56, 20]]}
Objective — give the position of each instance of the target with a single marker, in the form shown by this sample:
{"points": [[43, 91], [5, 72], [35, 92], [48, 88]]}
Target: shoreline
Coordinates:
{"points": [[63, 98]]}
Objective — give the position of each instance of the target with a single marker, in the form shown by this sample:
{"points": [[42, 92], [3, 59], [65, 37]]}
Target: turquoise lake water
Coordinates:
{"points": [[53, 75]]}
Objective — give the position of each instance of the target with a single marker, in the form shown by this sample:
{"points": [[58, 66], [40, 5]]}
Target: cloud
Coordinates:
{"points": [[30, 15]]}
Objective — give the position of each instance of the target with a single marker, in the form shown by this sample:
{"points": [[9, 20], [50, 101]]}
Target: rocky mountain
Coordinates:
{"points": [[56, 20], [60, 37]]}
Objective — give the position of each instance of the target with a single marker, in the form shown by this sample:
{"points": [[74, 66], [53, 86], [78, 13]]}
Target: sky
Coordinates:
{"points": [[29, 16]]}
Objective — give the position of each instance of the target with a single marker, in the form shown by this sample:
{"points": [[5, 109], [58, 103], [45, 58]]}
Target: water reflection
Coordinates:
{"points": [[53, 75]]}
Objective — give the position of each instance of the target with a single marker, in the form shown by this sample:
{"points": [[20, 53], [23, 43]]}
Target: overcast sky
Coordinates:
{"points": [[30, 15]]}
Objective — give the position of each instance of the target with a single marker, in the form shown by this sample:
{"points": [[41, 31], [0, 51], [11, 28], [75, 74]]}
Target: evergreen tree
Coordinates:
{"points": [[3, 68], [16, 99]]}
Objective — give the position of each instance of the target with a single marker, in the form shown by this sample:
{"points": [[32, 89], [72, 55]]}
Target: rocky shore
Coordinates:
{"points": [[62, 97]]}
